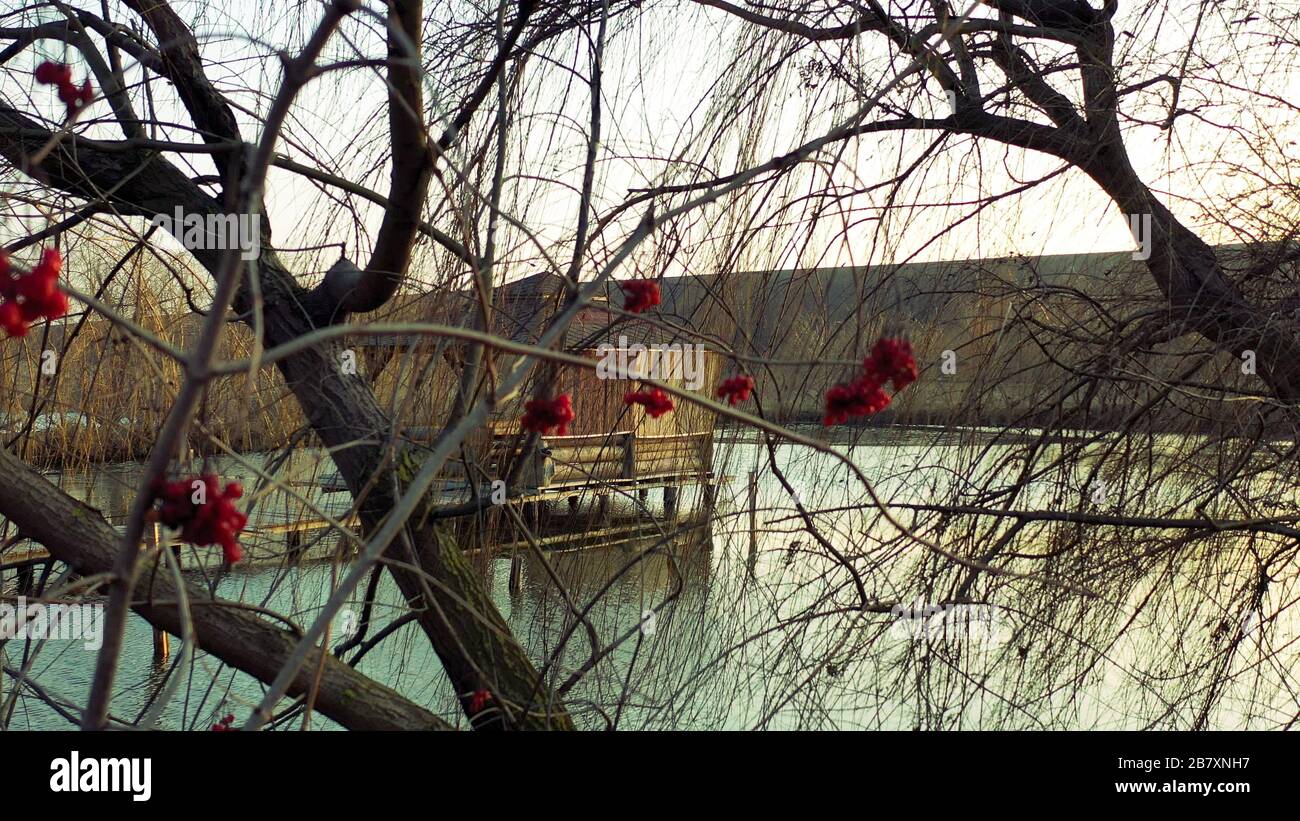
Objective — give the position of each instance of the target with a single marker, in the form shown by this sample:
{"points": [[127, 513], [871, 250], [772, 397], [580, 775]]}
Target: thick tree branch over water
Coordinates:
{"points": [[78, 536]]}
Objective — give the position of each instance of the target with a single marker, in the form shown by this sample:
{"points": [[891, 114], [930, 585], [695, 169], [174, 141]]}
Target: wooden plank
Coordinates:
{"points": [[587, 439], [588, 455], [629, 456]]}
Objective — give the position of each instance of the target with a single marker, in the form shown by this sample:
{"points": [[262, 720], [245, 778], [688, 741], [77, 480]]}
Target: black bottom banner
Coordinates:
{"points": [[179, 771]]}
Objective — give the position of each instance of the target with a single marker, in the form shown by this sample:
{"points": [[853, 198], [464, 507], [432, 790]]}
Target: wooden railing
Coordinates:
{"points": [[622, 456]]}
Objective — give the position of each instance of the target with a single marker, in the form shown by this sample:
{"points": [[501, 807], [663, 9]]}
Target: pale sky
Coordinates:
{"points": [[658, 74]]}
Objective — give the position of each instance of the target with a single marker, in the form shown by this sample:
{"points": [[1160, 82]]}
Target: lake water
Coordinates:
{"points": [[729, 631]]}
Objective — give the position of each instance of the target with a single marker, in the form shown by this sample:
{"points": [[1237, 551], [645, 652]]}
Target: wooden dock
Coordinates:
{"points": [[592, 467]]}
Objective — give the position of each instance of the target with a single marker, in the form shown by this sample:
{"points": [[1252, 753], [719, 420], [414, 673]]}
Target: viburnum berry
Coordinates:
{"points": [[736, 389], [641, 295], [479, 701], [25, 298], [76, 98], [215, 520], [547, 415], [891, 359], [11, 319], [60, 75], [51, 73], [655, 401], [861, 397], [225, 725]]}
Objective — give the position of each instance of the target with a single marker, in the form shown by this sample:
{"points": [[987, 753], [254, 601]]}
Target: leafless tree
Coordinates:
{"points": [[448, 148]]}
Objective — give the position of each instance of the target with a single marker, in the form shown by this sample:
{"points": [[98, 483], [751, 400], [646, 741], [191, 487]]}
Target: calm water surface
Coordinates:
{"points": [[744, 640]]}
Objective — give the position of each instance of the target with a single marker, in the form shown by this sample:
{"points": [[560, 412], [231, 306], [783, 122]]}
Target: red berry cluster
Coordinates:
{"points": [[642, 294], [656, 402], [28, 297], [216, 521], [225, 725], [60, 74], [862, 397], [479, 701], [545, 415], [736, 389], [890, 360]]}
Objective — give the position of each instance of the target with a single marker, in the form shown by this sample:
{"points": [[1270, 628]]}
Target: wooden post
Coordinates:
{"points": [[573, 504], [753, 512], [516, 573], [162, 646], [161, 640], [539, 470], [629, 456], [602, 504], [545, 467], [670, 502]]}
